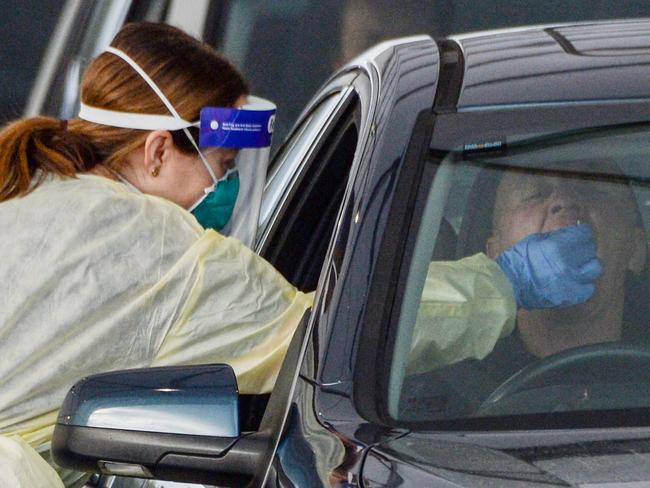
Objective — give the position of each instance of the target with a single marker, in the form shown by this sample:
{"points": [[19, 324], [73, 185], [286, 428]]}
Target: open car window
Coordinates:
{"points": [[288, 162], [305, 190], [460, 354]]}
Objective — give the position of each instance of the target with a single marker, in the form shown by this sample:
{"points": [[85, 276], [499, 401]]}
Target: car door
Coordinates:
{"points": [[310, 413], [296, 237]]}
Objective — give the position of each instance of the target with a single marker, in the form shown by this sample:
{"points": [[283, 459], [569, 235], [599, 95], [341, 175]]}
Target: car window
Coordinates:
{"points": [[461, 351], [299, 232], [287, 163]]}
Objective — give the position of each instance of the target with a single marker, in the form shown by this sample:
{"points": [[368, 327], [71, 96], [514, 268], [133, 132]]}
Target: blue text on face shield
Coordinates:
{"points": [[236, 128]]}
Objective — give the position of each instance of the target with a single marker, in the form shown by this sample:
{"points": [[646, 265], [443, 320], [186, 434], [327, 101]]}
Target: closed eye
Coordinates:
{"points": [[536, 195]]}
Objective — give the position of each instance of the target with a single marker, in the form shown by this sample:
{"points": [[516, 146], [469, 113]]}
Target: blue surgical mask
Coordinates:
{"points": [[214, 209]]}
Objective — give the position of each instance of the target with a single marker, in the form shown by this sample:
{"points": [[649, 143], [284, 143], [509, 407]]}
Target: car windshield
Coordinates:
{"points": [[463, 349]]}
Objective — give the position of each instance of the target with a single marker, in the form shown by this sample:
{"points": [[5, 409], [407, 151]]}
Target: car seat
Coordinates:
{"points": [[476, 225]]}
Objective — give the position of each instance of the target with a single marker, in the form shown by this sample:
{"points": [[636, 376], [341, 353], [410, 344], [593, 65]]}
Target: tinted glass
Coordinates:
{"points": [[463, 349]]}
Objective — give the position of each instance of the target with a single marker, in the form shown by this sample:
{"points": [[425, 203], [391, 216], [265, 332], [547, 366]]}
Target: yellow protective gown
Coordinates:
{"points": [[98, 278], [22, 467], [466, 306]]}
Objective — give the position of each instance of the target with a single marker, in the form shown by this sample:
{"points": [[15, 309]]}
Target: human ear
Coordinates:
{"points": [[638, 256], [492, 247], [156, 146]]}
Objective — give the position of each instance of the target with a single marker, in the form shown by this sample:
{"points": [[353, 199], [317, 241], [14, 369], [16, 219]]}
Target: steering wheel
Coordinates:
{"points": [[607, 363]]}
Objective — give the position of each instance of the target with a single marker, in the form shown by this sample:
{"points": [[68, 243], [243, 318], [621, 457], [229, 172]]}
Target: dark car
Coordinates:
{"points": [[416, 155]]}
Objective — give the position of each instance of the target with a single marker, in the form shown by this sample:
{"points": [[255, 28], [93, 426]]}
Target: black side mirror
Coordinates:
{"points": [[172, 423]]}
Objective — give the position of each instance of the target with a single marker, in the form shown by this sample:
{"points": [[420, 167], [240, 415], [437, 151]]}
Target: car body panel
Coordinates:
{"points": [[399, 80], [566, 460], [553, 64]]}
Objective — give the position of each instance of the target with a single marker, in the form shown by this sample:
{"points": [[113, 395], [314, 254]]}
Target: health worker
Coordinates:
{"points": [[123, 231]]}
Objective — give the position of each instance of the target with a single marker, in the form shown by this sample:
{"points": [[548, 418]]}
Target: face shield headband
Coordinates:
{"points": [[248, 129]]}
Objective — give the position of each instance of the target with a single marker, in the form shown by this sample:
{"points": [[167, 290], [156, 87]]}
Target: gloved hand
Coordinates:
{"points": [[553, 269]]}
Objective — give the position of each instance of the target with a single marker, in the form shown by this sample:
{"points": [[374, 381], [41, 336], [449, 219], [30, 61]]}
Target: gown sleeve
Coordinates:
{"points": [[238, 310], [466, 306]]}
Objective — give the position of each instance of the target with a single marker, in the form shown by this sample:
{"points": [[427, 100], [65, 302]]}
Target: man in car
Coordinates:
{"points": [[560, 270], [540, 202], [568, 243]]}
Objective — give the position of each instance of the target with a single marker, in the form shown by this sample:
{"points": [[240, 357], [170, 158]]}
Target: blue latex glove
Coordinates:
{"points": [[553, 269]]}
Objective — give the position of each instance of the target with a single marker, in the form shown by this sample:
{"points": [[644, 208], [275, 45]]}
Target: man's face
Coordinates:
{"points": [[532, 202]]}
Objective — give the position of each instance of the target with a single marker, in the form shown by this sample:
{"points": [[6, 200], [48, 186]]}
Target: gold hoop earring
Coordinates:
{"points": [[156, 171]]}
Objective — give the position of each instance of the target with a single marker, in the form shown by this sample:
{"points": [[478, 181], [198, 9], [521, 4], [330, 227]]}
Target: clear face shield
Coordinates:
{"points": [[249, 130], [232, 203]]}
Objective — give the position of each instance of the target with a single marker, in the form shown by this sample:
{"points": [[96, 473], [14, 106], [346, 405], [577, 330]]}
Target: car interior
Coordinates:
{"points": [[550, 385]]}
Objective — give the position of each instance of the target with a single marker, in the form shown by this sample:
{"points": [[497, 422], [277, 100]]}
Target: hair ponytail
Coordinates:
{"points": [[32, 148]]}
